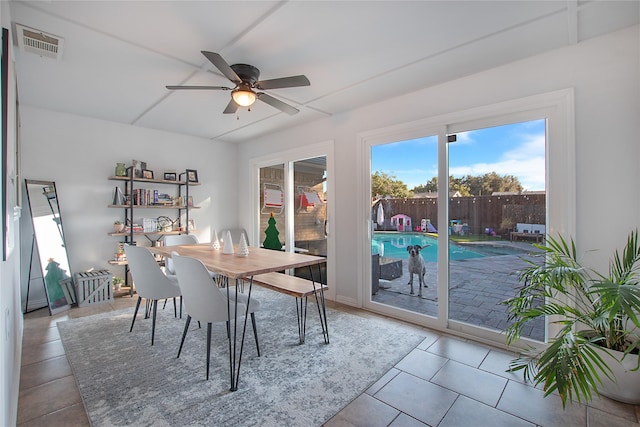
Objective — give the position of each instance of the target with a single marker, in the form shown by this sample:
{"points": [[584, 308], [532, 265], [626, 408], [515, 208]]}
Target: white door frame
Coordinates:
{"points": [[287, 157], [557, 107]]}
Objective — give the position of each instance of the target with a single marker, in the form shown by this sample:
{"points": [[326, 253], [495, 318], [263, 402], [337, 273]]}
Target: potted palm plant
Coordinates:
{"points": [[595, 350]]}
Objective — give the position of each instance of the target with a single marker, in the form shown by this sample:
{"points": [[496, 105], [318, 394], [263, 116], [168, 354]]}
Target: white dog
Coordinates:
{"points": [[417, 266]]}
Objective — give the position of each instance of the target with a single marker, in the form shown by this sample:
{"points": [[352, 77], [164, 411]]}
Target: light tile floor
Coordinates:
{"points": [[445, 382]]}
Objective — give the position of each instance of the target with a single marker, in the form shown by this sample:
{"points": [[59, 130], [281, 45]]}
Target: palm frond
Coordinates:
{"points": [[592, 310]]}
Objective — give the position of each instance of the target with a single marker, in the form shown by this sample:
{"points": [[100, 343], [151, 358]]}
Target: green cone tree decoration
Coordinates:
{"points": [[272, 241]]}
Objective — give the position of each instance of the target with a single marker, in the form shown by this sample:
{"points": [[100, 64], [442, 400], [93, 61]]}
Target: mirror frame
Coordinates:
{"points": [[57, 300]]}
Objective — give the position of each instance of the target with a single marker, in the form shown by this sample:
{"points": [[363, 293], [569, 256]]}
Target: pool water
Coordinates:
{"points": [[395, 246]]}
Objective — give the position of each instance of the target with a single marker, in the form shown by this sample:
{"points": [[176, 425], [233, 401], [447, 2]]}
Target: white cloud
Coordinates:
{"points": [[465, 138], [526, 162]]}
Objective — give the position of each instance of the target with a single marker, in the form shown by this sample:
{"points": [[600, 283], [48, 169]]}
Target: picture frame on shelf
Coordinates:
{"points": [[147, 174], [170, 176], [192, 175]]}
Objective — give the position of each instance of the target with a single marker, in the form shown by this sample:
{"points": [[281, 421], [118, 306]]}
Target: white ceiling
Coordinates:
{"points": [[118, 56]]}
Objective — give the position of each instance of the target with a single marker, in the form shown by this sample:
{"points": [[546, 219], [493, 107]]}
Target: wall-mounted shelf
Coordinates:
{"points": [[143, 233], [137, 189], [154, 207], [152, 181]]}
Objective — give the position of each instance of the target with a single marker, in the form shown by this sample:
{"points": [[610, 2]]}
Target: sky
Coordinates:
{"points": [[516, 149]]}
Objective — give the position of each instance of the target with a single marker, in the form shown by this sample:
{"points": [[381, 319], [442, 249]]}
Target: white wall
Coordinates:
{"points": [[604, 72], [11, 324], [80, 153]]}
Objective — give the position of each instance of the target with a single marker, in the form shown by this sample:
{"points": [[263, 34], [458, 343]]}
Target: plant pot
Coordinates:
{"points": [[118, 228], [626, 388]]}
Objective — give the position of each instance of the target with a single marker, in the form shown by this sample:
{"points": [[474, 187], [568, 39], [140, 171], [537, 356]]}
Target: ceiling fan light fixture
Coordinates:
{"points": [[244, 96]]}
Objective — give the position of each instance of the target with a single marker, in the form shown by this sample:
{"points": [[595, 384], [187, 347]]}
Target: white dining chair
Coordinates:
{"points": [[176, 240], [182, 239], [150, 282], [205, 302]]}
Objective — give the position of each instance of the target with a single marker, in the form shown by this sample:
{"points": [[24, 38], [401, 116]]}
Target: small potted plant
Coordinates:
{"points": [[595, 350], [118, 226], [117, 283]]}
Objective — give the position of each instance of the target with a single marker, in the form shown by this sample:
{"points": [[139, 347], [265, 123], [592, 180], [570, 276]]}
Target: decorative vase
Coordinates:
{"points": [[227, 244], [121, 170], [626, 388], [118, 227], [243, 248], [215, 243]]}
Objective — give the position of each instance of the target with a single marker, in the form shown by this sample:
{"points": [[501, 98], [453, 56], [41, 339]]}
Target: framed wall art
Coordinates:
{"points": [[192, 175]]}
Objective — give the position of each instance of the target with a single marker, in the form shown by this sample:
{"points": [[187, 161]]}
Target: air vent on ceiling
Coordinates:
{"points": [[39, 42]]}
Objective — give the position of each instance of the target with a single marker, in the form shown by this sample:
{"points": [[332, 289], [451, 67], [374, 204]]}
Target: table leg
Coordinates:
{"points": [[235, 354], [301, 312], [320, 301]]}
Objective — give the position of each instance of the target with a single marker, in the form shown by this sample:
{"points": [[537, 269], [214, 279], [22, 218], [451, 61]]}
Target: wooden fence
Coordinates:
{"points": [[501, 213]]}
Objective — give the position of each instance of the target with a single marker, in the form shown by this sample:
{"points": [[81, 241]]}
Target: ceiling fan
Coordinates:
{"points": [[245, 77]]}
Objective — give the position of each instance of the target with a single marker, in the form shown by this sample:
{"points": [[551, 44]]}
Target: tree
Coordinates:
{"points": [[477, 185], [455, 184], [458, 185], [383, 185], [272, 241], [430, 187]]}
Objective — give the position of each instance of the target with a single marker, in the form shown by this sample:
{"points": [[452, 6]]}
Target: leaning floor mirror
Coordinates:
{"points": [[49, 275]]}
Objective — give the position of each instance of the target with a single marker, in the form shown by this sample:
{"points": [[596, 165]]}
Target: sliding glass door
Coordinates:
{"points": [[404, 215], [470, 199], [272, 202], [294, 204], [497, 210]]}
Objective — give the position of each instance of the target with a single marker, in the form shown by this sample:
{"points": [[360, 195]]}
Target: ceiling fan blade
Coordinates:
{"points": [[232, 107], [293, 81], [199, 87], [277, 103], [222, 65]]}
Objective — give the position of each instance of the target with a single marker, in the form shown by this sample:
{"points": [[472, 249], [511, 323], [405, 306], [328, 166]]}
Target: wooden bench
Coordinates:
{"points": [[301, 289]]}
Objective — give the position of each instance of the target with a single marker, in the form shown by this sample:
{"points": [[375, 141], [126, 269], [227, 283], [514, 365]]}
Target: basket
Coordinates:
{"points": [[94, 287]]}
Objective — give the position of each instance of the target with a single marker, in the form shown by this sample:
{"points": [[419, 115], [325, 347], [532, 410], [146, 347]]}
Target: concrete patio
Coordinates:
{"points": [[477, 287]]}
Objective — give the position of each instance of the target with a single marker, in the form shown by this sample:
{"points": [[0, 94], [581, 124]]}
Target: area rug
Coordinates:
{"points": [[124, 380]]}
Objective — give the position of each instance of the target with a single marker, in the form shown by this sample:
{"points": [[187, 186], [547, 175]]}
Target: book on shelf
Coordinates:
{"points": [[137, 228]]}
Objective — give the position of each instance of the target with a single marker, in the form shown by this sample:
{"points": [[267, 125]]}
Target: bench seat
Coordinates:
{"points": [[300, 289], [290, 285]]}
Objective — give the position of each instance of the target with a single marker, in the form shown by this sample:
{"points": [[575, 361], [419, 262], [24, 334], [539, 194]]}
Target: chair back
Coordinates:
{"points": [[150, 281], [203, 300], [176, 240], [180, 239]]}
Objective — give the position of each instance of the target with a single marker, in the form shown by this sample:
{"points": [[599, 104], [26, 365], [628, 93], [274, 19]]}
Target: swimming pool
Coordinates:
{"points": [[395, 246]]}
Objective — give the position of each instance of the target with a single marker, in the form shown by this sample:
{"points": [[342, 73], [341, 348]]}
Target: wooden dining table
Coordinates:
{"points": [[241, 268]]}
